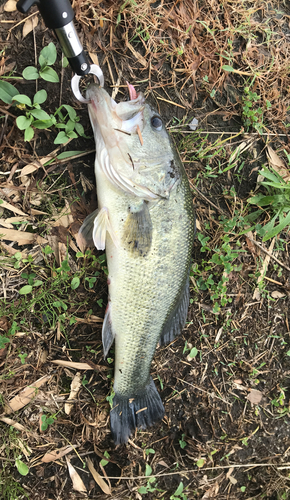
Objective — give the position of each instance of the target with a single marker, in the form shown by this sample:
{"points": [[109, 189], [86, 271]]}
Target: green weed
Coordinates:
{"points": [[11, 457], [47, 58], [46, 421], [277, 200], [34, 117]]}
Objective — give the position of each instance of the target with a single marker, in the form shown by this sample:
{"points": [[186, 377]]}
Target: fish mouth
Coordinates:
{"points": [[125, 116]]}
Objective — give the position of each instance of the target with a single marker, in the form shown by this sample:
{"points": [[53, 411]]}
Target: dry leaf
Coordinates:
{"points": [[74, 390], [72, 364], [29, 25], [90, 319], [138, 56], [99, 480], [51, 456], [257, 294], [7, 68], [241, 148], [254, 396], [277, 295], [211, 492], [163, 464], [26, 395], [4, 223], [24, 448], [16, 210], [64, 218], [21, 237], [34, 211], [14, 424], [77, 481], [277, 164], [197, 224], [11, 250], [94, 58], [251, 246], [10, 6]]}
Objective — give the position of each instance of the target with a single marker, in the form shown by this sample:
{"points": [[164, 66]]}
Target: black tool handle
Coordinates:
{"points": [[58, 15]]}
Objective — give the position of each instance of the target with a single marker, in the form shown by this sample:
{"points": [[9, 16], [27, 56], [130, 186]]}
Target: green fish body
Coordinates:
{"points": [[145, 221]]}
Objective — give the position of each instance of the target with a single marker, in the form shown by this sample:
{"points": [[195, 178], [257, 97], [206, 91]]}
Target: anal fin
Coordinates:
{"points": [[107, 331]]}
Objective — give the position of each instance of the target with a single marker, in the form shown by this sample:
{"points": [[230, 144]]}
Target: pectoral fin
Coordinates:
{"points": [[85, 234], [102, 224], [137, 234], [94, 229]]}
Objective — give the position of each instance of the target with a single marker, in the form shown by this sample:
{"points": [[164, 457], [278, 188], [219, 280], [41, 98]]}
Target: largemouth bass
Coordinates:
{"points": [[145, 221]]}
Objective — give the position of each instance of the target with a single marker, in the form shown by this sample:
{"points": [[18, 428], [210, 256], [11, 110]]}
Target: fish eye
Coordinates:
{"points": [[156, 122]]}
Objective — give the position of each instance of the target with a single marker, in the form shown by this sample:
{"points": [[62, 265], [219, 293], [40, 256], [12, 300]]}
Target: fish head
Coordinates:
{"points": [[133, 148]]}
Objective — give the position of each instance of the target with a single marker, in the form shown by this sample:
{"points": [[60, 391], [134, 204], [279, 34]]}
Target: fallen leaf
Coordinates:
{"points": [[163, 464], [136, 54], [10, 6], [26, 395], [211, 492], [229, 473], [72, 364], [277, 295], [257, 295], [29, 25], [21, 237], [4, 324], [7, 68], [241, 148], [238, 386], [14, 424], [254, 396], [74, 390], [24, 448], [251, 246], [94, 58], [16, 210], [77, 481], [90, 319], [12, 220], [99, 480], [34, 211], [277, 164], [64, 218], [11, 250], [197, 223], [51, 456]]}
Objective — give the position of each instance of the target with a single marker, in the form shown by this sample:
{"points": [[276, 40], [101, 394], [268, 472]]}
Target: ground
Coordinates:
{"points": [[225, 380]]}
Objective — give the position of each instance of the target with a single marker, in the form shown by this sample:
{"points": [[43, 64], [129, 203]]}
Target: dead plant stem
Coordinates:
{"points": [[268, 253]]}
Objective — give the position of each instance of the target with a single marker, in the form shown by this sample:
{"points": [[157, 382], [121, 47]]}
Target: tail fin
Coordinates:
{"points": [[139, 411]]}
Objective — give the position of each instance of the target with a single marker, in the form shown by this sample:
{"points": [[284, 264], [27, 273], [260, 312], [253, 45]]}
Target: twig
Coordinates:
{"points": [[202, 390], [175, 128], [208, 201], [268, 253]]}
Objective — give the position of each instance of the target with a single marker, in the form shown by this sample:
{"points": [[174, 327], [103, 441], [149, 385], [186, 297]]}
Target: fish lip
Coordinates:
{"points": [[126, 115]]}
